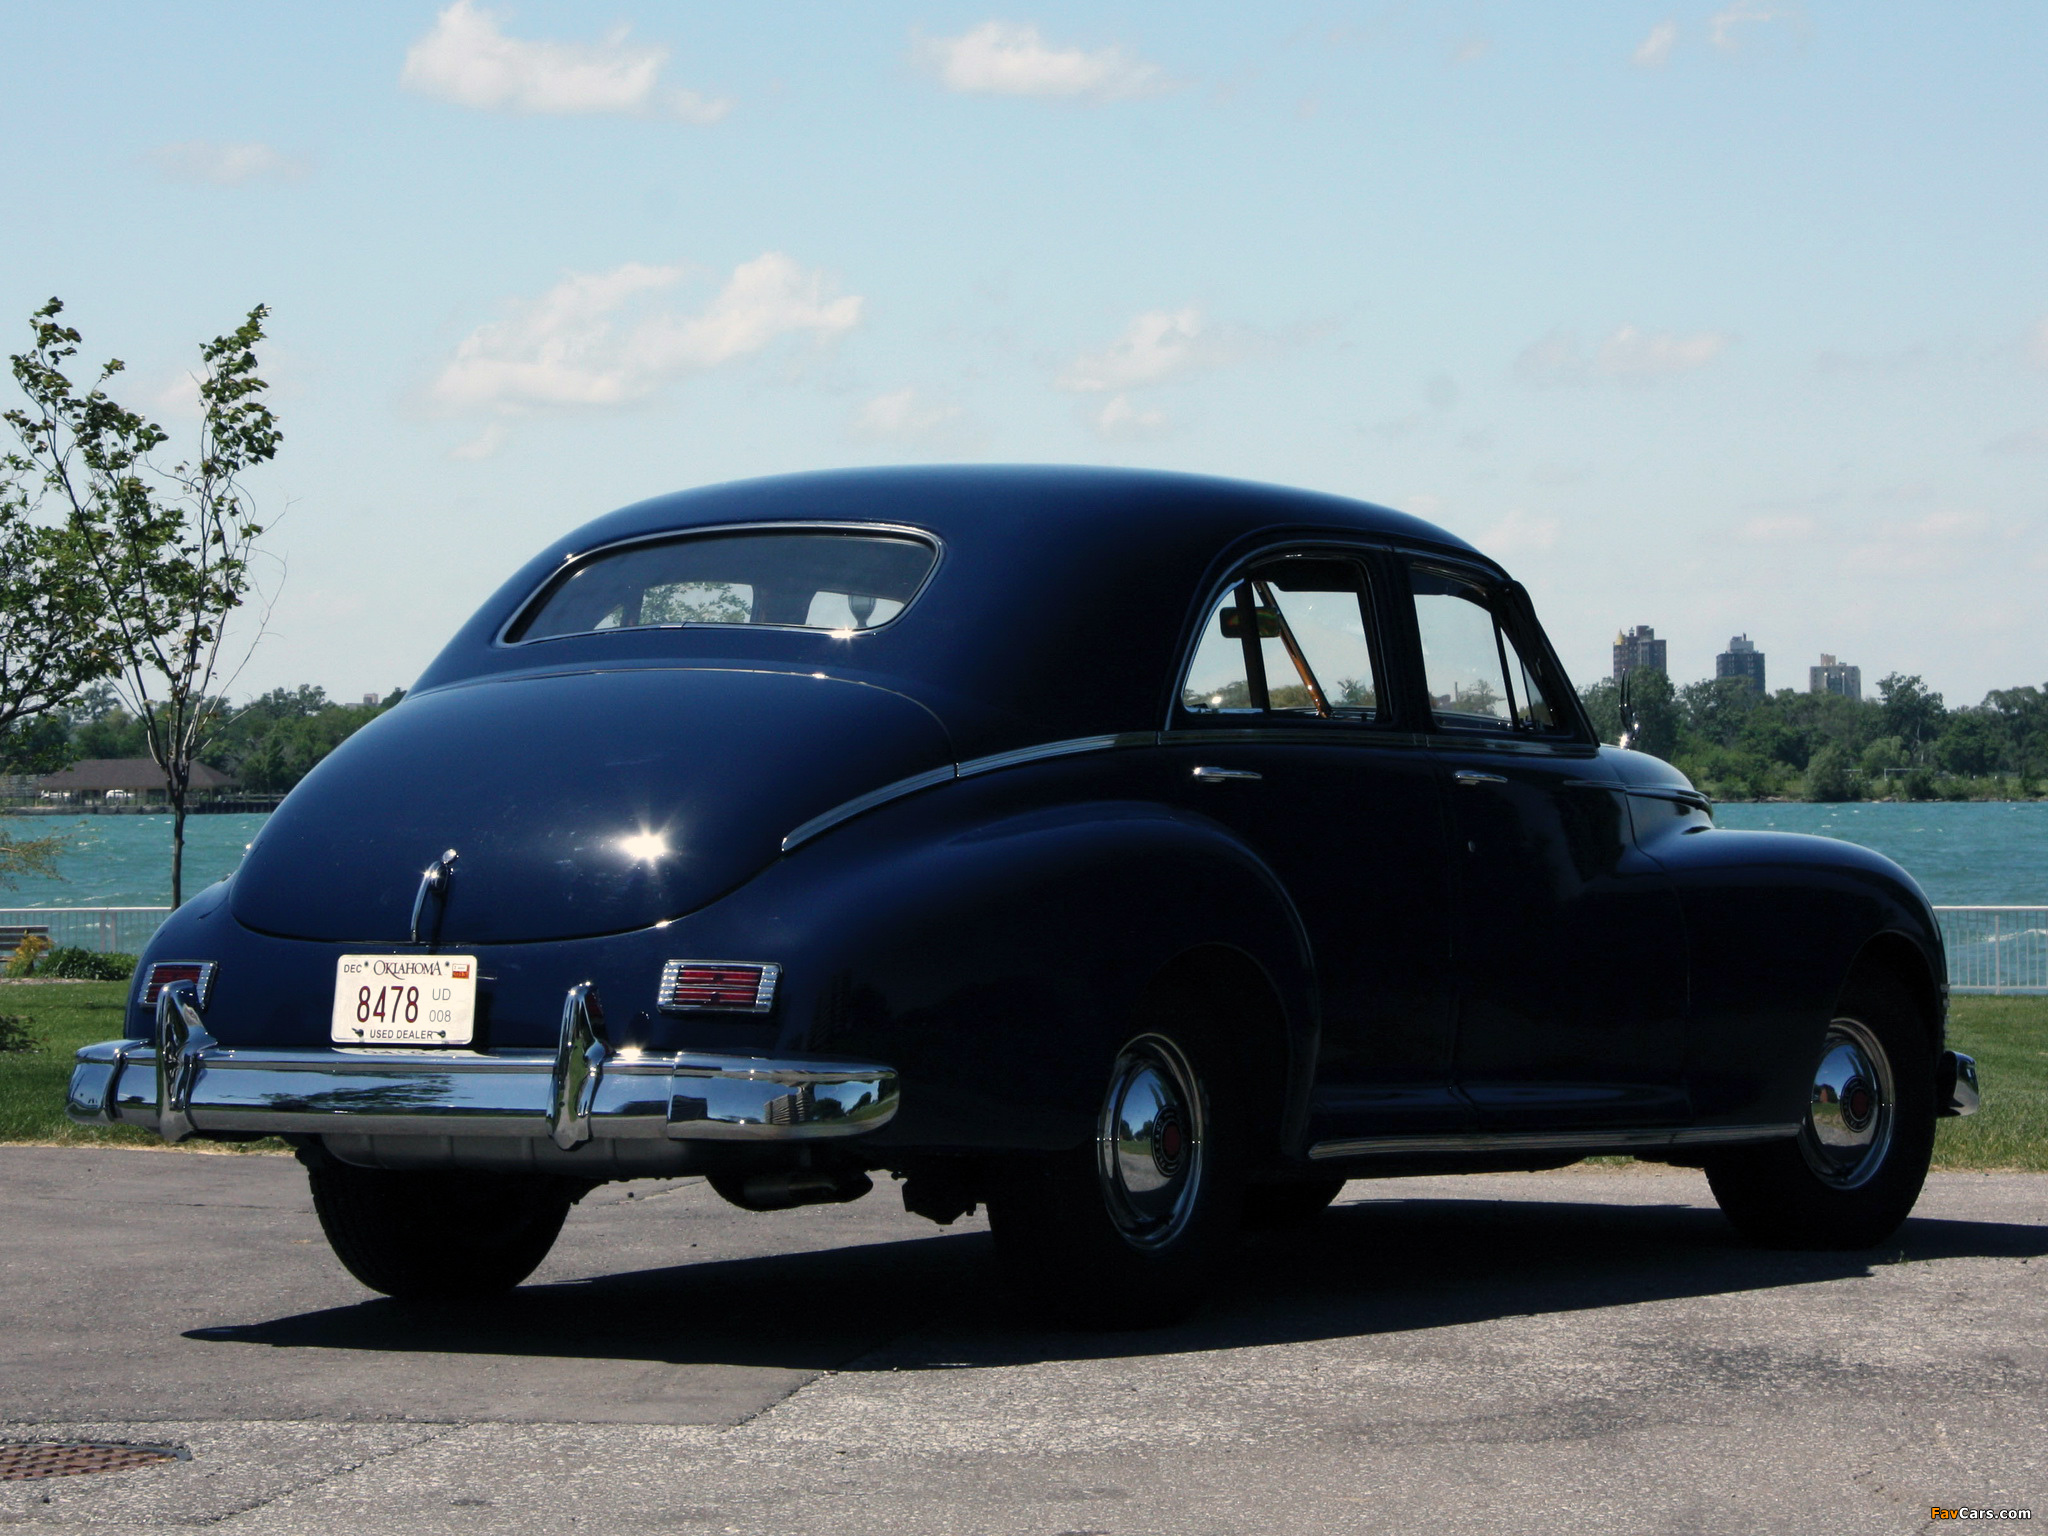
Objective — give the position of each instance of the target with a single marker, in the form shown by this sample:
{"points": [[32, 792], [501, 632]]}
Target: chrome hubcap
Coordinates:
{"points": [[1149, 1151], [1849, 1119]]}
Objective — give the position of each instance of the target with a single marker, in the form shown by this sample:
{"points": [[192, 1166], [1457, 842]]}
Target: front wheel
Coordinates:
{"points": [[436, 1235], [1853, 1172], [1125, 1232]]}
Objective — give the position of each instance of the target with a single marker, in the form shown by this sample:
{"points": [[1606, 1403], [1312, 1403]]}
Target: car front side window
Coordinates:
{"points": [[1290, 637], [1473, 669]]}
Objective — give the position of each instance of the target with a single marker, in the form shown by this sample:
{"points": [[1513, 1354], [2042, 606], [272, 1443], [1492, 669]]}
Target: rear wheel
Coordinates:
{"points": [[439, 1235], [1852, 1174], [1125, 1231]]}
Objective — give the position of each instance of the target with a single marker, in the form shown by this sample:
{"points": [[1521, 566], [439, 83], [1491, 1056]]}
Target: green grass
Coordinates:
{"points": [[2007, 1035], [2009, 1038], [59, 1019]]}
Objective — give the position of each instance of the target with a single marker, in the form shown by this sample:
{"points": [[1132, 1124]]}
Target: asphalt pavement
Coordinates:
{"points": [[1534, 1352]]}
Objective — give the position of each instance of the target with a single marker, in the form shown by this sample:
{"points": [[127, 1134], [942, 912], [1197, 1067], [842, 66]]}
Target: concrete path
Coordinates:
{"points": [[1539, 1352]]}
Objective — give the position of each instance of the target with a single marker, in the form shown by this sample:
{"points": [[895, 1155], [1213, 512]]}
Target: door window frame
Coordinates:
{"points": [[1389, 704], [1507, 603]]}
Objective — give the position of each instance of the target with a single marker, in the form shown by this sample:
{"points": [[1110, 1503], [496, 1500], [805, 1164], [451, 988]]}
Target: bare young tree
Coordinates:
{"points": [[165, 552]]}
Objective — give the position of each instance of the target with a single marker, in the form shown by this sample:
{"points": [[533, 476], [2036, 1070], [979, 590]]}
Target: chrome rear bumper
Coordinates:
{"points": [[186, 1083]]}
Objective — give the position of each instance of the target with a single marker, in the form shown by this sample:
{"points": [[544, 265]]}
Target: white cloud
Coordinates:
{"points": [[1947, 540], [1002, 58], [2037, 348], [904, 416], [1654, 51], [465, 59], [483, 445], [1154, 346], [598, 339], [225, 165], [180, 398], [1629, 355], [1520, 534], [1728, 28], [1121, 419], [1472, 49]]}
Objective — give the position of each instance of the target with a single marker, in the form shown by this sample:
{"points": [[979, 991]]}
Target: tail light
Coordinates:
{"points": [[721, 986], [164, 972]]}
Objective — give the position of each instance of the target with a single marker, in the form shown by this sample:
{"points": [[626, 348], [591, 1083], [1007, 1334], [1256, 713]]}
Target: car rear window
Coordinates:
{"points": [[801, 579]]}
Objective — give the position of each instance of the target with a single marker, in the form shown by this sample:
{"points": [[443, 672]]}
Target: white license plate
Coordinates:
{"points": [[404, 1000]]}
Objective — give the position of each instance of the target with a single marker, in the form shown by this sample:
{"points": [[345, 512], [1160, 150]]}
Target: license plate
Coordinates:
{"points": [[404, 1000]]}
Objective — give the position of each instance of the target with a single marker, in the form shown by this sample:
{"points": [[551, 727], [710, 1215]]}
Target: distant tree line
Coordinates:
{"points": [[268, 744], [1905, 744]]}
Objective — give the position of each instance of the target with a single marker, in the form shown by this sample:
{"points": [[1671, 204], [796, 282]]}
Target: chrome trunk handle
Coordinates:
{"points": [[1474, 776], [1206, 775]]}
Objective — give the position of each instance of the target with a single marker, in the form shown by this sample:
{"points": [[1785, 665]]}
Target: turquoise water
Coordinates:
{"points": [[1979, 854], [1974, 854], [125, 861]]}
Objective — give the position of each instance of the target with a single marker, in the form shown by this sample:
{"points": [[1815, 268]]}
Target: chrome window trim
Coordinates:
{"points": [[1549, 1141], [676, 535]]}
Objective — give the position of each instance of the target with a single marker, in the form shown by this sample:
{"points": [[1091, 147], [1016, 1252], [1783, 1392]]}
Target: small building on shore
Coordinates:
{"points": [[135, 780]]}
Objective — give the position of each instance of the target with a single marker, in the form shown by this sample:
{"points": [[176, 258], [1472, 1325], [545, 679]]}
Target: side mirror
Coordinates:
{"points": [[1631, 727], [1233, 623]]}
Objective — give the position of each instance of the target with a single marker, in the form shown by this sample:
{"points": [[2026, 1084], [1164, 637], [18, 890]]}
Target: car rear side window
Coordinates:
{"points": [[1290, 637], [1474, 671], [801, 578]]}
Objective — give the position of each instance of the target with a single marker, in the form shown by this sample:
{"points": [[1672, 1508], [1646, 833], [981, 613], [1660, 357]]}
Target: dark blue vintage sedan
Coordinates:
{"points": [[1140, 855]]}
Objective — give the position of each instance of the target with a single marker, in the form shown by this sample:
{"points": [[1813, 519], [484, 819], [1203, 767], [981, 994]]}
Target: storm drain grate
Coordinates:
{"points": [[72, 1458]]}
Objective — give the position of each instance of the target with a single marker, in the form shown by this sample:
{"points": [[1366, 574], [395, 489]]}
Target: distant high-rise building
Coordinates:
{"points": [[1638, 647], [1836, 677], [1742, 659]]}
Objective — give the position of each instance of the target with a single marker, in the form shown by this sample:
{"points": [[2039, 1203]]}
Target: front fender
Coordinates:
{"points": [[1776, 924]]}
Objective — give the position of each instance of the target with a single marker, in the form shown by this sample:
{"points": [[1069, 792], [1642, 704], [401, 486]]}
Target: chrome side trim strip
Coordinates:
{"points": [[827, 820], [1549, 1141], [464, 1094], [1047, 749]]}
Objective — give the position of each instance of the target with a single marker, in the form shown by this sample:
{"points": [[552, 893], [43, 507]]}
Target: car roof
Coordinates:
{"points": [[1060, 606]]}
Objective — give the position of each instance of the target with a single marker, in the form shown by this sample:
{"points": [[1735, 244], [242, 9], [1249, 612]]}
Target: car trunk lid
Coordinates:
{"points": [[577, 804]]}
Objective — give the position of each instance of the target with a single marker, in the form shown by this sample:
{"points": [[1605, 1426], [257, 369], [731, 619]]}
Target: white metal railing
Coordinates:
{"points": [[110, 930], [1996, 949]]}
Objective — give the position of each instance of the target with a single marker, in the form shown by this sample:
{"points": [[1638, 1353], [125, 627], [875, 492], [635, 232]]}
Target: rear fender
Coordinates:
{"points": [[998, 963]]}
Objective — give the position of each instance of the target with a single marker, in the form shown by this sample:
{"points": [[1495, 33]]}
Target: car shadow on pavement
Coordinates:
{"points": [[1379, 1266]]}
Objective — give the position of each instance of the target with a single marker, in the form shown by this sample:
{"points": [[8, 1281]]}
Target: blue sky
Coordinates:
{"points": [[1718, 317]]}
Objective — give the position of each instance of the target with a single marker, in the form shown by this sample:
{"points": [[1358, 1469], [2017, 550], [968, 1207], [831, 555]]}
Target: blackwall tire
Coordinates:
{"points": [[1127, 1231], [1854, 1171], [439, 1235]]}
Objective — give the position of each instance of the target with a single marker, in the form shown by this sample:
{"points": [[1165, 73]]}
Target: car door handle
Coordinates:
{"points": [[1224, 775], [1474, 776]]}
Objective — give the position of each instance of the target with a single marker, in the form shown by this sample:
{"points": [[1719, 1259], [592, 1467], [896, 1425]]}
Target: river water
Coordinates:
{"points": [[1976, 854]]}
